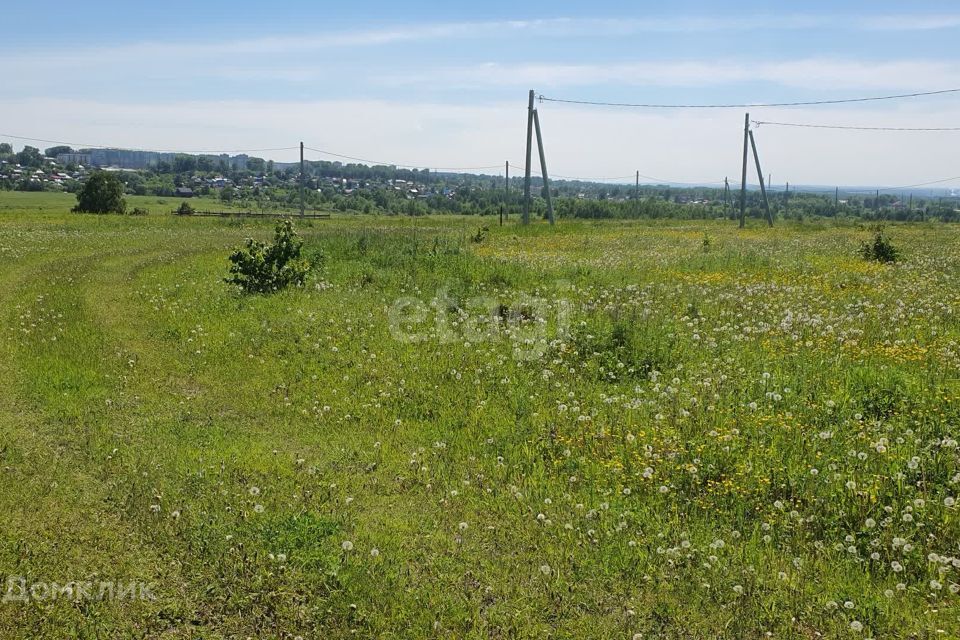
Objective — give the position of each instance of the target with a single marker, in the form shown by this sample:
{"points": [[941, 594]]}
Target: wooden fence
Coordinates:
{"points": [[253, 214]]}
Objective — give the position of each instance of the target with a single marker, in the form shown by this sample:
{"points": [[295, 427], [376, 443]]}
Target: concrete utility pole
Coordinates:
{"points": [[636, 190], [543, 167], [763, 188], [526, 177], [726, 195], [743, 182], [506, 190], [302, 178]]}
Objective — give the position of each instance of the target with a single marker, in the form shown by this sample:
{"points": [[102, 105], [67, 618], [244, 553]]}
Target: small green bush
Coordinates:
{"points": [[880, 248], [265, 268], [185, 209], [480, 235], [139, 211]]}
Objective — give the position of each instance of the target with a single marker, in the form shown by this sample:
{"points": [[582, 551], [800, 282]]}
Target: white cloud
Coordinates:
{"points": [[305, 41], [814, 73], [911, 22]]}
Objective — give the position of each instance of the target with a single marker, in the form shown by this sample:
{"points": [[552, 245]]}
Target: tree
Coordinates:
{"points": [[102, 193], [30, 157], [227, 194], [53, 152], [5, 149]]}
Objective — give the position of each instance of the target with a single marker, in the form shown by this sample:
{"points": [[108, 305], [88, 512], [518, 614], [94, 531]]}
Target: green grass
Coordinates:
{"points": [[20, 202], [701, 440]]}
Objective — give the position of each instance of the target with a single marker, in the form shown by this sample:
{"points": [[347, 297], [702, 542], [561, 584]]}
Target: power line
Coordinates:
{"points": [[514, 164], [632, 176], [806, 103], [649, 180], [850, 127], [920, 184], [583, 179], [694, 184], [294, 148], [102, 146], [401, 165]]}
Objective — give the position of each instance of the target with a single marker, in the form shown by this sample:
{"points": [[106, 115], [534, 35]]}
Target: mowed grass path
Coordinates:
{"points": [[711, 433]]}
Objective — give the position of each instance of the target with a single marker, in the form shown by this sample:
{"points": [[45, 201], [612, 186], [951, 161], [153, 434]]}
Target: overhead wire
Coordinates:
{"points": [[849, 127], [586, 179], [521, 165], [632, 176], [400, 164], [866, 128], [747, 105], [121, 148], [920, 184]]}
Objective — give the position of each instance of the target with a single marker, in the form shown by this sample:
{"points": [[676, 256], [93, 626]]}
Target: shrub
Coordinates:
{"points": [[264, 268], [102, 193], [139, 211], [480, 235], [185, 209], [880, 249]]}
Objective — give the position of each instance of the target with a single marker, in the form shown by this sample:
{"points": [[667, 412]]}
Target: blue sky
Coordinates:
{"points": [[445, 84]]}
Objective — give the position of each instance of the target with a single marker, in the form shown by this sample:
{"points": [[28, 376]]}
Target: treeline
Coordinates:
{"points": [[353, 187]]}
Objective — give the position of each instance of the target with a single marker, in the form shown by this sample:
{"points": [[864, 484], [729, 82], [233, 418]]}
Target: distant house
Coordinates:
{"points": [[183, 192]]}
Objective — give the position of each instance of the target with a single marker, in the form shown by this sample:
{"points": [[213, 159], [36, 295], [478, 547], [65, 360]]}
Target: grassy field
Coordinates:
{"points": [[612, 430]]}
